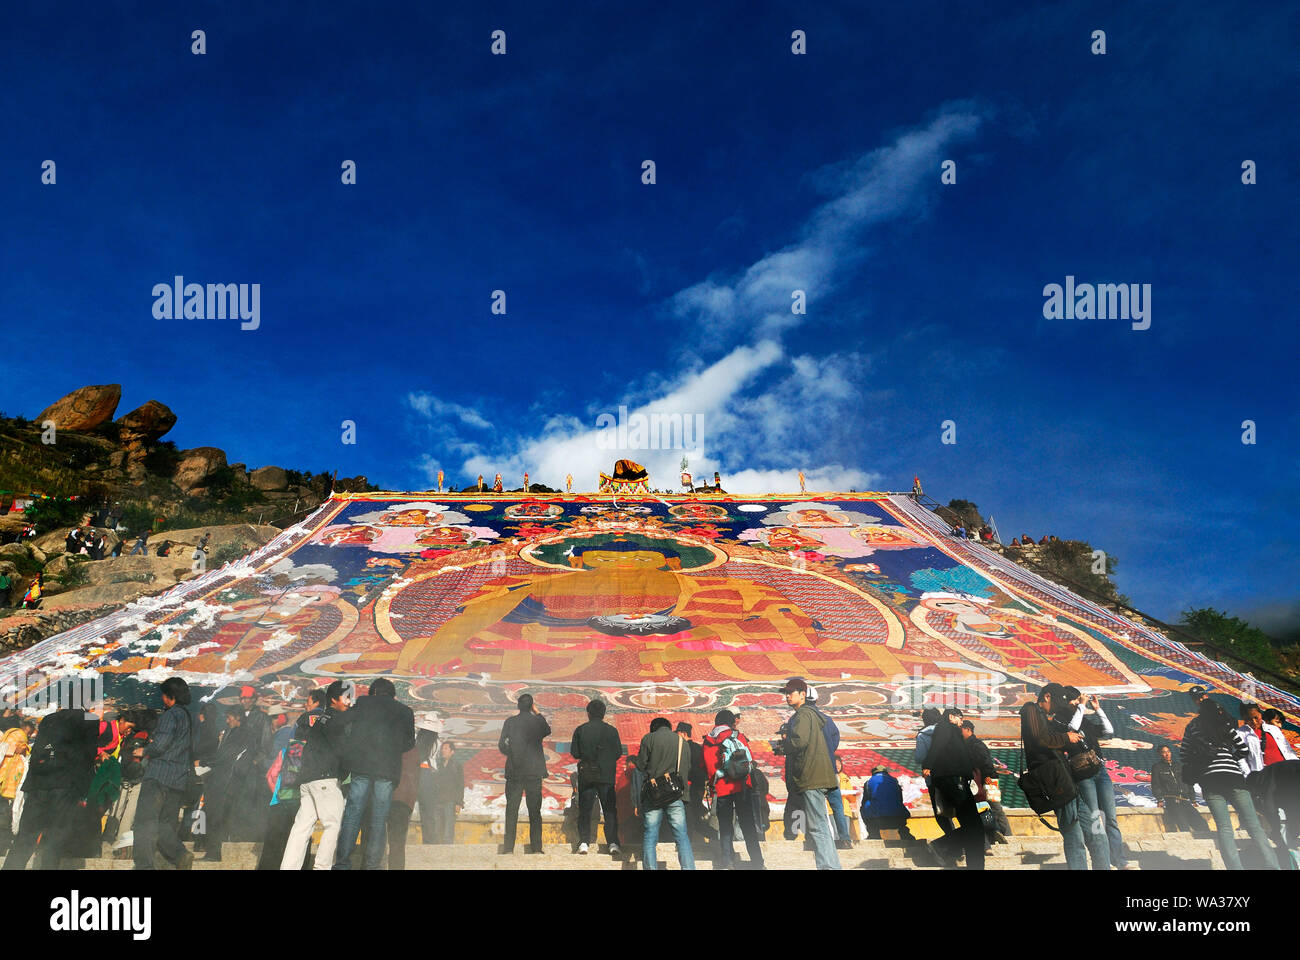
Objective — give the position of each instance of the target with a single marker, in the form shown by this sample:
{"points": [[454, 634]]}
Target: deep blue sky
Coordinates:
{"points": [[522, 172]]}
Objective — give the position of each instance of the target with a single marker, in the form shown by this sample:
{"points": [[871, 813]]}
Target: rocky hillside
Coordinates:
{"points": [[126, 478]]}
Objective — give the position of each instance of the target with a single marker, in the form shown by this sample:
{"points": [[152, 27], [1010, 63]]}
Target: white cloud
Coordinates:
{"points": [[764, 414]]}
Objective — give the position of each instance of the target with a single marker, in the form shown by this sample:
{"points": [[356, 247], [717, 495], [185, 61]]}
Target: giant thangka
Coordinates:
{"points": [[673, 606]]}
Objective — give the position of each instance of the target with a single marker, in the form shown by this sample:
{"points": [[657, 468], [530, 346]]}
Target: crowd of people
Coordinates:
{"points": [[179, 782], [1025, 540]]}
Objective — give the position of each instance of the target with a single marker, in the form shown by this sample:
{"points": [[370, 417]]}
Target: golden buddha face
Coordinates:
{"points": [[624, 560]]}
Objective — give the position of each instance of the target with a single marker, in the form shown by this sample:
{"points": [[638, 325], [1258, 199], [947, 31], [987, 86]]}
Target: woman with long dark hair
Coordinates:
{"points": [[1213, 753]]}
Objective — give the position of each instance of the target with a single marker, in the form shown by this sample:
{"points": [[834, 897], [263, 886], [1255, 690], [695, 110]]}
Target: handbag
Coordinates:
{"points": [[659, 792], [1048, 786], [1084, 765]]}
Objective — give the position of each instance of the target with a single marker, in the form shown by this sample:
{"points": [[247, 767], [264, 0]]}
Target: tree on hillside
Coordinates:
{"points": [[1072, 562], [967, 512], [1233, 635]]}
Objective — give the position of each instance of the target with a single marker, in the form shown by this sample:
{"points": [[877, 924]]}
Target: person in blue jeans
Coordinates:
{"points": [[663, 752], [379, 731], [811, 772], [1098, 792]]}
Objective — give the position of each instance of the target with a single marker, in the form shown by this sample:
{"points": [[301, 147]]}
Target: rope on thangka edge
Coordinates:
{"points": [[40, 652], [976, 555]]}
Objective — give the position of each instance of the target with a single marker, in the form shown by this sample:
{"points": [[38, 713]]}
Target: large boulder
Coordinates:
{"points": [[145, 423], [197, 465], [83, 409], [270, 478]]}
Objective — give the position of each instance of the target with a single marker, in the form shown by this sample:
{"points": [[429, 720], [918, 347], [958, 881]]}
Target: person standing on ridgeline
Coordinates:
{"points": [[1176, 798], [480, 483], [801, 483], [949, 766], [810, 771], [916, 488], [320, 797], [380, 730], [521, 742], [596, 746], [170, 756], [662, 753], [440, 481], [729, 765], [496, 485], [568, 483], [59, 772]]}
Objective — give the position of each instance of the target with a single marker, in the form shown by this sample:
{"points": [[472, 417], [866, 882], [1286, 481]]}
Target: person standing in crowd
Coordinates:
{"points": [[1213, 755], [729, 765], [811, 773], [444, 793], [521, 742], [289, 745], [839, 817], [1176, 798], [1098, 791], [986, 770], [596, 746], [252, 796], [399, 814], [167, 773], [1046, 742], [697, 818], [379, 731], [60, 768], [320, 797], [226, 782], [426, 745], [930, 718], [949, 769], [882, 805], [13, 768], [663, 752]]}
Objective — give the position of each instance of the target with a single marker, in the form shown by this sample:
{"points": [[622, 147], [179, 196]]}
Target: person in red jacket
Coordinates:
{"points": [[728, 761]]}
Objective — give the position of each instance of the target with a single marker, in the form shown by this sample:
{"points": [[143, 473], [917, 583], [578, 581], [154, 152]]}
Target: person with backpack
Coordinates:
{"points": [[596, 746], [379, 731], [843, 835], [1214, 755], [521, 742], [729, 764], [60, 769], [1046, 742], [809, 770], [324, 735], [666, 765], [167, 775]]}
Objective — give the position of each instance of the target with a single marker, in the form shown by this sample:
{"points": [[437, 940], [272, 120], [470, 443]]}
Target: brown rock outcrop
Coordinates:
{"points": [[83, 409]]}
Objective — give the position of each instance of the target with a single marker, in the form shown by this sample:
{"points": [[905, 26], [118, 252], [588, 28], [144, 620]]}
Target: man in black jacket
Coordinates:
{"points": [[986, 773], [521, 742], [1177, 799], [324, 732], [949, 766], [62, 764], [380, 730], [596, 746], [225, 784]]}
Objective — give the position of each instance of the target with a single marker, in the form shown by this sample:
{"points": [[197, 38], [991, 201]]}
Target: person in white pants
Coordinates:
{"points": [[324, 733], [319, 800]]}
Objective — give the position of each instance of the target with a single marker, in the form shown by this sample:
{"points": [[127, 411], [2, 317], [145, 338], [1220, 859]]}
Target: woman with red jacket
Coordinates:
{"points": [[728, 761]]}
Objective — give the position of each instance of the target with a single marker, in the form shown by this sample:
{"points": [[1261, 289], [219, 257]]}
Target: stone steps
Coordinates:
{"points": [[1019, 853]]}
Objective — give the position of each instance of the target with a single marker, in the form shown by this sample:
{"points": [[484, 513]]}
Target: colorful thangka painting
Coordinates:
{"points": [[675, 606]]}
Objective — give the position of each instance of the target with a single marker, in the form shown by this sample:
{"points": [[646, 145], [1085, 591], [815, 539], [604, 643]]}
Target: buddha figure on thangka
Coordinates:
{"points": [[621, 604]]}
